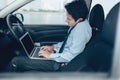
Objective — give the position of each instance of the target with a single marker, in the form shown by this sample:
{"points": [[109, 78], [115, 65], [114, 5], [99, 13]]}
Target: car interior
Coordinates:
{"points": [[96, 57]]}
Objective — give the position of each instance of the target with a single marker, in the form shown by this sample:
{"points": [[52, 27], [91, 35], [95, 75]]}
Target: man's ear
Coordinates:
{"points": [[79, 20]]}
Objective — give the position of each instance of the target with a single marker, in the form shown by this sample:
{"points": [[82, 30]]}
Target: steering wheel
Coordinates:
{"points": [[15, 26]]}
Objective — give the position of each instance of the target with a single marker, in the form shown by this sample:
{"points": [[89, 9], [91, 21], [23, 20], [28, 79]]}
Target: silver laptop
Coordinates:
{"points": [[30, 49]]}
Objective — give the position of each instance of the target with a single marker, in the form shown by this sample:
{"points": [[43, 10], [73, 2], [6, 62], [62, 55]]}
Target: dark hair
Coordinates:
{"points": [[77, 9]]}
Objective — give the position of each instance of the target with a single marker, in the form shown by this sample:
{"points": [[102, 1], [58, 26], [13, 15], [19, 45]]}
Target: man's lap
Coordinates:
{"points": [[22, 63]]}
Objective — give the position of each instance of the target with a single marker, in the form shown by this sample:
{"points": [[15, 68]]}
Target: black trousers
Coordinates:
{"points": [[22, 63]]}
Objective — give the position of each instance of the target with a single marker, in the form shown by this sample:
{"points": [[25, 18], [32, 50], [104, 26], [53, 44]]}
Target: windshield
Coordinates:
{"points": [[5, 3]]}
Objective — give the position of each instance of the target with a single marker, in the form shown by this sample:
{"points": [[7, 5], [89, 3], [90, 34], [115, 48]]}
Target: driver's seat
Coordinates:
{"points": [[97, 56]]}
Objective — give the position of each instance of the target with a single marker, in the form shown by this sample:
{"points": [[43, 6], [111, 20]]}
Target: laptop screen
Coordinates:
{"points": [[27, 43]]}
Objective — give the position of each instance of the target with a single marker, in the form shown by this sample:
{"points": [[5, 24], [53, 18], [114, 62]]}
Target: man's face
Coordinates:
{"points": [[69, 19]]}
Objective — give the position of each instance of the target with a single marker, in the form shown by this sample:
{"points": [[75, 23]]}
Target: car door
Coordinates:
{"points": [[47, 33]]}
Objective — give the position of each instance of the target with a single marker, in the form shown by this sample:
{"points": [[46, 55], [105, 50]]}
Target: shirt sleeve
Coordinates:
{"points": [[57, 46], [58, 57]]}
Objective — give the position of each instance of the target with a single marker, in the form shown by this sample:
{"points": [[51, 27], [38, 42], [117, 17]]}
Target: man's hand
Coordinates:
{"points": [[46, 51], [47, 48]]}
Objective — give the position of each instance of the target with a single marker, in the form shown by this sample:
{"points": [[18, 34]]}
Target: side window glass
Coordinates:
{"points": [[45, 12]]}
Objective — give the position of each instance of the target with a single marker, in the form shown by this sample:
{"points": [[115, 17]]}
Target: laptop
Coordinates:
{"points": [[28, 45]]}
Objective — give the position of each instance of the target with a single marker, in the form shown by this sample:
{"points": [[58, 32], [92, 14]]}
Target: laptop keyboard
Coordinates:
{"points": [[36, 52]]}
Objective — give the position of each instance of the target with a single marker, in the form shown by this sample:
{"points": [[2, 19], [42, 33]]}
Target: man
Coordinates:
{"points": [[78, 35]]}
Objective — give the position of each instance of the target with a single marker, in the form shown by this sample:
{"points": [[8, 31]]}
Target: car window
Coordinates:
{"points": [[45, 12]]}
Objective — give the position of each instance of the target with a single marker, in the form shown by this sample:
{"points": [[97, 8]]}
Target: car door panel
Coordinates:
{"points": [[47, 33]]}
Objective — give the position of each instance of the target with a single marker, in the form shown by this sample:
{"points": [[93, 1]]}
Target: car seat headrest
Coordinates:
{"points": [[96, 17], [109, 26]]}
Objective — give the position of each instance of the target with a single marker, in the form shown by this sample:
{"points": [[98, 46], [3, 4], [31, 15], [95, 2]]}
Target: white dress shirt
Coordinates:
{"points": [[75, 44]]}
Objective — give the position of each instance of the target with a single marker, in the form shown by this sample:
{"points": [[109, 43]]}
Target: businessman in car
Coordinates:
{"points": [[62, 53]]}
